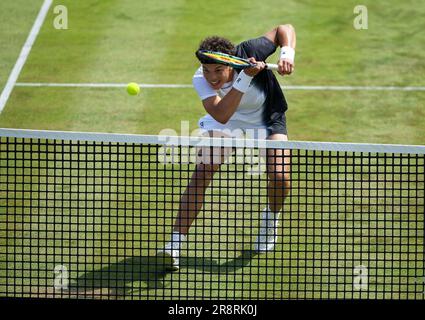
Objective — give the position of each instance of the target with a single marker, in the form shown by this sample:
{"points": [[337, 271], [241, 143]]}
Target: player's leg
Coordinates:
{"points": [[190, 205], [208, 162], [193, 198], [278, 170]]}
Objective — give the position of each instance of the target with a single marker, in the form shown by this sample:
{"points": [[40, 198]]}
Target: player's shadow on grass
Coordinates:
{"points": [[211, 265], [117, 279]]}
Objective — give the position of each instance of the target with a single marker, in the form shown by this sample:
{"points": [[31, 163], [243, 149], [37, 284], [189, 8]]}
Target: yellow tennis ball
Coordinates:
{"points": [[133, 89]]}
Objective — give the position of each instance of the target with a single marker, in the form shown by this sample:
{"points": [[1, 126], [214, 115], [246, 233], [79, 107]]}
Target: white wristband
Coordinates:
{"points": [[242, 82], [287, 53]]}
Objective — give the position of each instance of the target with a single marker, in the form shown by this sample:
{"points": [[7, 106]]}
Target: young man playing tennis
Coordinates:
{"points": [[237, 103]]}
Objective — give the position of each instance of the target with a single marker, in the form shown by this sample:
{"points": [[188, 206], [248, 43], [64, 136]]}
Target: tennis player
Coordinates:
{"points": [[237, 103]]}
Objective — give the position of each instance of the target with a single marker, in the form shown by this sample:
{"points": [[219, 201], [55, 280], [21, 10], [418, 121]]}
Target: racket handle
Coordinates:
{"points": [[272, 66]]}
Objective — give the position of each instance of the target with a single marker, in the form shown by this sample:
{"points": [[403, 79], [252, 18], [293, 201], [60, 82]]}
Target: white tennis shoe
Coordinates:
{"points": [[267, 235], [170, 254]]}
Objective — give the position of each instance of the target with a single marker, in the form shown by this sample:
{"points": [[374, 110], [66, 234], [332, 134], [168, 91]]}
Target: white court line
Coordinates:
{"points": [[101, 85], [26, 49], [145, 85]]}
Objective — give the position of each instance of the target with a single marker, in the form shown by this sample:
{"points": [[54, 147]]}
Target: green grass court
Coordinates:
{"points": [[119, 42], [153, 42]]}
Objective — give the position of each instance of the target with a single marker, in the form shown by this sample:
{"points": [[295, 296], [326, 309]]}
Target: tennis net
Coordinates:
{"points": [[83, 215]]}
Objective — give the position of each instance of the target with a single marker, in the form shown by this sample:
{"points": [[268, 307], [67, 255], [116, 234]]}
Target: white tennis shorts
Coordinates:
{"points": [[233, 128]]}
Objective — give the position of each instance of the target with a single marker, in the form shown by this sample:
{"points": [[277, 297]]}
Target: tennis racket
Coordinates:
{"points": [[232, 61]]}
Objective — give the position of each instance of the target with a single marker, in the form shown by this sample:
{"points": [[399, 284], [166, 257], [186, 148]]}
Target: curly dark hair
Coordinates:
{"points": [[215, 43]]}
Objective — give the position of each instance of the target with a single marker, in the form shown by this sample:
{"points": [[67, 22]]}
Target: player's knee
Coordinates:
{"points": [[204, 175], [287, 26], [281, 179]]}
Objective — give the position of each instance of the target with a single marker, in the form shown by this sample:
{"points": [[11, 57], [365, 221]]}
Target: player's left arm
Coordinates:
{"points": [[284, 37]]}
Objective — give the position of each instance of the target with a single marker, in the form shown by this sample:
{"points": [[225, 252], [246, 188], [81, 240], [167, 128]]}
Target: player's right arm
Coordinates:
{"points": [[222, 109]]}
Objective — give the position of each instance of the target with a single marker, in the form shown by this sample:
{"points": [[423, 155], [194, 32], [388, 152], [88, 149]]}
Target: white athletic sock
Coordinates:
{"points": [[271, 217], [177, 239]]}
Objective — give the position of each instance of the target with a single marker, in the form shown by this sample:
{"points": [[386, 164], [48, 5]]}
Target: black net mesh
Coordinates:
{"points": [[81, 219]]}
